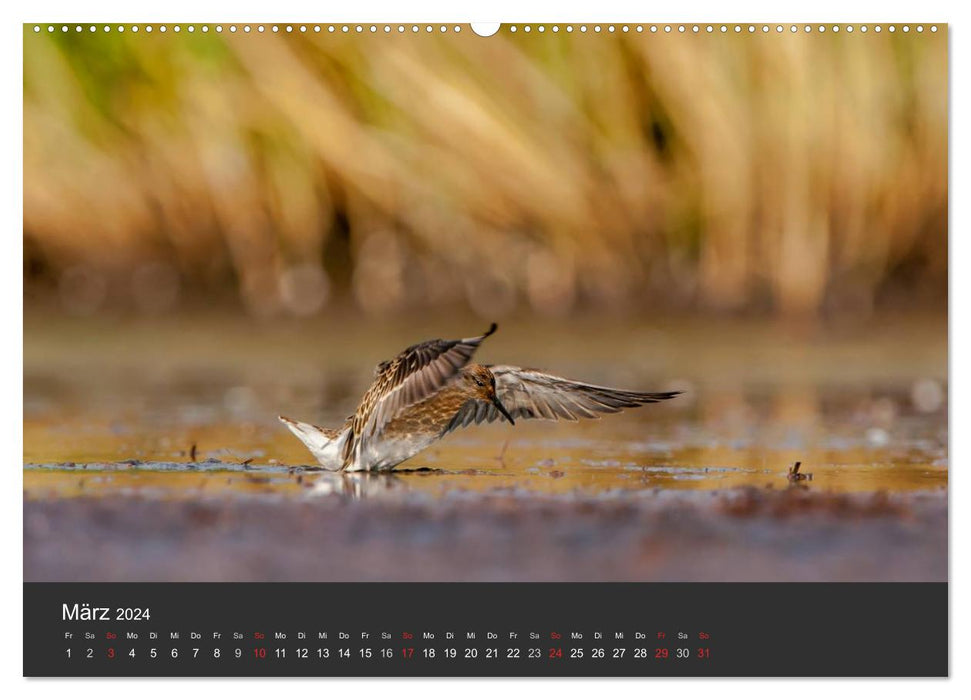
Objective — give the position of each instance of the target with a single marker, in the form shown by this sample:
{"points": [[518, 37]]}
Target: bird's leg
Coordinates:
{"points": [[502, 454]]}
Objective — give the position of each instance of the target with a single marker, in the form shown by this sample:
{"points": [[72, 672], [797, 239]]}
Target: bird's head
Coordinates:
{"points": [[481, 384]]}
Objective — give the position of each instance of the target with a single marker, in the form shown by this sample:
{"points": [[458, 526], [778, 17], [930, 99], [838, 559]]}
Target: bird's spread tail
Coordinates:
{"points": [[323, 443]]}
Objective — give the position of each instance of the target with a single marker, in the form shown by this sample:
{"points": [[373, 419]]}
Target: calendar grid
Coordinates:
{"points": [[566, 629]]}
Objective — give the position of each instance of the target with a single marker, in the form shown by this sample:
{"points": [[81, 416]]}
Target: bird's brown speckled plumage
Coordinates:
{"points": [[431, 415], [416, 374], [432, 388]]}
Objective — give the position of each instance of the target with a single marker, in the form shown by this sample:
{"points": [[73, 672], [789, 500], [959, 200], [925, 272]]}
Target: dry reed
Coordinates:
{"points": [[797, 173]]}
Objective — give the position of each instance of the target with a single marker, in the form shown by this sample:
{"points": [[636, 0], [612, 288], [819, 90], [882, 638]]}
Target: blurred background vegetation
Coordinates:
{"points": [[285, 174]]}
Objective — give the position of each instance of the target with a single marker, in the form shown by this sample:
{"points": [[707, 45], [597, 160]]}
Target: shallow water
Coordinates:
{"points": [[860, 411], [152, 453]]}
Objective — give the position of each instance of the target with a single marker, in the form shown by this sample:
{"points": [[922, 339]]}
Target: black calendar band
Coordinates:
{"points": [[485, 629]]}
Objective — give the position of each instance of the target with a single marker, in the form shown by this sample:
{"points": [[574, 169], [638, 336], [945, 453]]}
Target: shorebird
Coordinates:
{"points": [[433, 388]]}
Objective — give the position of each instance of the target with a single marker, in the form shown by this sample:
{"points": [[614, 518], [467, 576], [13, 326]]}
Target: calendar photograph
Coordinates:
{"points": [[427, 304]]}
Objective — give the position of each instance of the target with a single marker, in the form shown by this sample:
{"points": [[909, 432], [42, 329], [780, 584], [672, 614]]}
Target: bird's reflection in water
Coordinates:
{"points": [[353, 485]]}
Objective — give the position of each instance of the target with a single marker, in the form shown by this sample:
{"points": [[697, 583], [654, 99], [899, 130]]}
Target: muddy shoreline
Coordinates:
{"points": [[745, 534]]}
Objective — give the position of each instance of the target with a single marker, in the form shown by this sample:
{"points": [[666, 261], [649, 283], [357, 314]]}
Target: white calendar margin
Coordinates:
{"points": [[819, 11]]}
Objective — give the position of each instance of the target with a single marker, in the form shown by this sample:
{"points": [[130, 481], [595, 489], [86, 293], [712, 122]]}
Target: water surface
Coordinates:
{"points": [[130, 410], [152, 452]]}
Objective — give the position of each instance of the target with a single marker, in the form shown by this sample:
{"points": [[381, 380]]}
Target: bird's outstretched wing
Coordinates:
{"points": [[414, 375], [529, 393]]}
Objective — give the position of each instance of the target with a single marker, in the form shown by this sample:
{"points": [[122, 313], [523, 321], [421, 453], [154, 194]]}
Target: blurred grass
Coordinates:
{"points": [[794, 173]]}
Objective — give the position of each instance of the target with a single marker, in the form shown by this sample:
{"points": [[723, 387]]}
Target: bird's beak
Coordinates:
{"points": [[502, 409]]}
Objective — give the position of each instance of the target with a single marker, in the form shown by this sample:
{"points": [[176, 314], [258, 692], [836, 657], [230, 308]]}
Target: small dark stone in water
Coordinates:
{"points": [[556, 474], [794, 475]]}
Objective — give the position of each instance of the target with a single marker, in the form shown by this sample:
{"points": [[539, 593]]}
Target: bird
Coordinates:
{"points": [[433, 388]]}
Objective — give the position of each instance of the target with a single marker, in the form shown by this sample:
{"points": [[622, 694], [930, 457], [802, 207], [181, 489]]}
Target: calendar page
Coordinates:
{"points": [[550, 349]]}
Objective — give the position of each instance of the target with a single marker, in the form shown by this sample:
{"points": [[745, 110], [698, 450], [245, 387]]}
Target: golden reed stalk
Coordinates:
{"points": [[797, 173]]}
